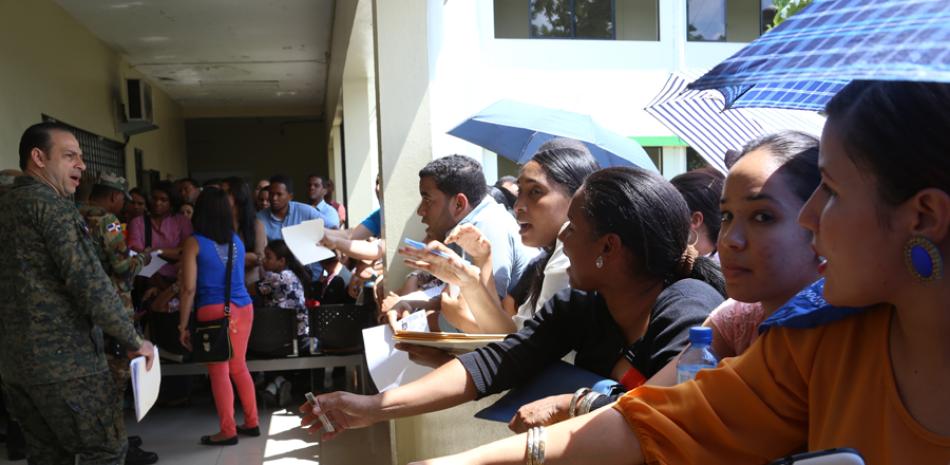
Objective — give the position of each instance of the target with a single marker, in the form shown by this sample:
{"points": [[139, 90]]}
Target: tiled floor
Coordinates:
{"points": [[174, 435]]}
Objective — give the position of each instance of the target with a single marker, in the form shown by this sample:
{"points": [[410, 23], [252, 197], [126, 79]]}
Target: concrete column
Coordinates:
{"points": [[403, 82], [362, 150], [403, 120]]}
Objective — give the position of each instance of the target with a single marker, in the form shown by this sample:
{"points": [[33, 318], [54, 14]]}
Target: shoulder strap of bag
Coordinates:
{"points": [[227, 277], [148, 230]]}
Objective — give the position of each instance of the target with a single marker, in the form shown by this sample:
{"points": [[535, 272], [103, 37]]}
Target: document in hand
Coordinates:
{"points": [[304, 241], [154, 265], [456, 343], [390, 367], [145, 384]]}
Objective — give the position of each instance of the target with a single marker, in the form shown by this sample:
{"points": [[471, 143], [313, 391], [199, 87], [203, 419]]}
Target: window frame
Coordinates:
{"points": [[573, 36]]}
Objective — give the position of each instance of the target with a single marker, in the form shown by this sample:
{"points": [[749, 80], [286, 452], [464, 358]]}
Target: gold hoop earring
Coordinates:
{"points": [[694, 241]]}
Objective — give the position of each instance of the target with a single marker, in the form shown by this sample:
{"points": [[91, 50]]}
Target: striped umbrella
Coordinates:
{"points": [[832, 42], [699, 118]]}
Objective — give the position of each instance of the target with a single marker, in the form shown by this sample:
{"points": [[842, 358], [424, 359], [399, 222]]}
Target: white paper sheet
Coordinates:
{"points": [[153, 266], [425, 294], [304, 241], [388, 366], [145, 384]]}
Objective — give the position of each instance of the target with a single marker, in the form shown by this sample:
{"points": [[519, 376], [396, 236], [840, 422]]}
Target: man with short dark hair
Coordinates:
{"points": [[54, 373], [316, 191], [188, 189], [454, 192], [284, 211], [106, 201]]}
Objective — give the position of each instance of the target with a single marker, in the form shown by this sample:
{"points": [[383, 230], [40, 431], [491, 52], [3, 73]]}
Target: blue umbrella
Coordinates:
{"points": [[515, 130], [809, 57]]}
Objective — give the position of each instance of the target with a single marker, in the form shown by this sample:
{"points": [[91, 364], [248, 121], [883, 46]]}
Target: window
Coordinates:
{"points": [[100, 155], [706, 20], [571, 19], [768, 15]]}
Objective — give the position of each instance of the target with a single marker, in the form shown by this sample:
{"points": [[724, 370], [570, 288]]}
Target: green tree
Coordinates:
{"points": [[786, 8]]}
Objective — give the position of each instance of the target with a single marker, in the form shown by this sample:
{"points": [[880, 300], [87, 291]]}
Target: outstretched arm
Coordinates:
{"points": [[603, 438], [447, 386]]}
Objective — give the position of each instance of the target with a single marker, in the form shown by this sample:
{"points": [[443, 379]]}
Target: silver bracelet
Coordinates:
{"points": [[529, 447], [578, 395], [586, 403], [536, 445]]}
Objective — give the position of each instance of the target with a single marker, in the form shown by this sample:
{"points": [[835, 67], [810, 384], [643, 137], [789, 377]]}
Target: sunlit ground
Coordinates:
{"points": [[174, 434]]}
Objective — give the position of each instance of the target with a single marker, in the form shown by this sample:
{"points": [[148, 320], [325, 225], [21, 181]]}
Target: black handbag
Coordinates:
{"points": [[210, 340]]}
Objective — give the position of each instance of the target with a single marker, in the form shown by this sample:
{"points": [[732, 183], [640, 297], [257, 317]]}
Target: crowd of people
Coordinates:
{"points": [[76, 307], [817, 265]]}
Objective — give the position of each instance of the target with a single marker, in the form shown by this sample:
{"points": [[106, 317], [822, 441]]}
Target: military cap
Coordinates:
{"points": [[115, 182]]}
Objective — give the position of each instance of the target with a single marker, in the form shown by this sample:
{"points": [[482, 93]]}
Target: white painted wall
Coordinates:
{"points": [[610, 80]]}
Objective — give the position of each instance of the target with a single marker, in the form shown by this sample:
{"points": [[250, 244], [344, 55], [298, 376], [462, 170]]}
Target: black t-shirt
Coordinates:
{"points": [[575, 320]]}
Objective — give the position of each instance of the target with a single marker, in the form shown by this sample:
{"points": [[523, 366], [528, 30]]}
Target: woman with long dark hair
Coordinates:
{"points": [[161, 228], [869, 371], [636, 291], [248, 227], [204, 260]]}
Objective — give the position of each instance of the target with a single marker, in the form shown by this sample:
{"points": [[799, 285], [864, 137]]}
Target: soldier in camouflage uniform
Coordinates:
{"points": [[57, 302], [106, 201]]}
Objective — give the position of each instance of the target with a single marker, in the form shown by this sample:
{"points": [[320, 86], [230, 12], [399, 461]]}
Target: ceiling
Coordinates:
{"points": [[220, 53]]}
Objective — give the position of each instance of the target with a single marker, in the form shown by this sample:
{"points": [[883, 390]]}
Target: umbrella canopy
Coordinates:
{"points": [[698, 117], [515, 130], [832, 42]]}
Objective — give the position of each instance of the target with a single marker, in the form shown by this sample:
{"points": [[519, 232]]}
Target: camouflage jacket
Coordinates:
{"points": [[106, 232], [55, 295]]}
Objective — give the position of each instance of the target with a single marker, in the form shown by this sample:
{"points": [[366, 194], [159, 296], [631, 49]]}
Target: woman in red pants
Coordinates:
{"points": [[204, 261]]}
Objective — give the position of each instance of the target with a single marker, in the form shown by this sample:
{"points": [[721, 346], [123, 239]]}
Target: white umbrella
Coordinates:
{"points": [[698, 117]]}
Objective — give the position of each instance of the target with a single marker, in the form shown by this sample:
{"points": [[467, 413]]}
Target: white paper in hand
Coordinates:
{"points": [[153, 266], [304, 241], [145, 384], [388, 366]]}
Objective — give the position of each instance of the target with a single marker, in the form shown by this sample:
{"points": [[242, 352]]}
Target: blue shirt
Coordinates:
{"points": [[509, 256], [296, 213], [373, 223], [212, 267], [331, 217]]}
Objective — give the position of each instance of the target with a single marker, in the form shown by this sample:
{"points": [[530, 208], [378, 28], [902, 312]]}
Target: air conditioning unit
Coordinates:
{"points": [[138, 116]]}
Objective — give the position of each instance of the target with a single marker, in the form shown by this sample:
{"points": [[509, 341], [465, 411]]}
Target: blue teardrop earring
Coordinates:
{"points": [[923, 259]]}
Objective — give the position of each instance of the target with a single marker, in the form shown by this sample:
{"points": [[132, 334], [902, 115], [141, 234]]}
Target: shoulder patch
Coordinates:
{"points": [[114, 227]]}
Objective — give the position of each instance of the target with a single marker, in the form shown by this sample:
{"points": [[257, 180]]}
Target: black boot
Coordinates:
{"points": [[137, 456]]}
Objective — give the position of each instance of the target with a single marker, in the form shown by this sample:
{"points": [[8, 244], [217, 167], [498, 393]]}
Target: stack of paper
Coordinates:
{"points": [[451, 342], [145, 384]]}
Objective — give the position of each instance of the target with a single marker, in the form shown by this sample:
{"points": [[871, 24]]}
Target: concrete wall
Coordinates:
{"points": [[52, 65], [257, 148]]}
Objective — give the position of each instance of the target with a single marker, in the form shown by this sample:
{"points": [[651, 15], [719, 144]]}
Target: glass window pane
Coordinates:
{"points": [[594, 19], [706, 20], [768, 14], [551, 18]]}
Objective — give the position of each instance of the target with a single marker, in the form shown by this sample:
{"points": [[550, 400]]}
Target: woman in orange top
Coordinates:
{"points": [[877, 380]]}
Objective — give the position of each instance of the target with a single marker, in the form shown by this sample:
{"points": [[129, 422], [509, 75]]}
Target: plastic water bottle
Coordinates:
{"points": [[697, 356]]}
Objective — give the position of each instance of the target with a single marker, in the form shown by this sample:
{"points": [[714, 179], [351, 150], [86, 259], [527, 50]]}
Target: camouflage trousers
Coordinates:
{"points": [[119, 369], [75, 421]]}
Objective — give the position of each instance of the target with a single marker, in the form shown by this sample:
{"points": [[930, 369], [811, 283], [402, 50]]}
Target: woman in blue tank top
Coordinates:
{"points": [[204, 260]]}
